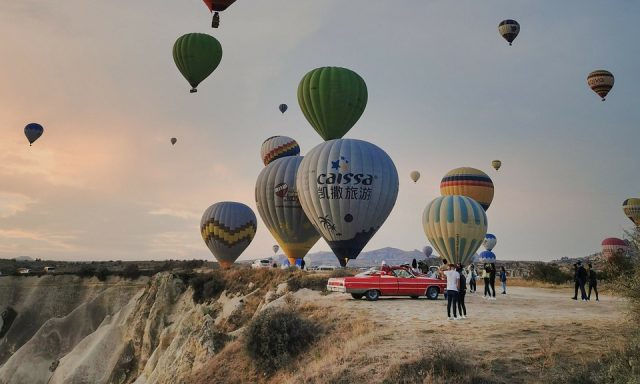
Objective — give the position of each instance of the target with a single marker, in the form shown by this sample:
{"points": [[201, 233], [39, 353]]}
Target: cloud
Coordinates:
{"points": [[182, 214], [14, 240], [12, 203]]}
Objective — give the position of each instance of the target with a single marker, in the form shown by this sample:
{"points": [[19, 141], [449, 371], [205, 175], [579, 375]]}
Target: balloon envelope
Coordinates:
{"points": [[455, 227], [33, 131], [196, 55], [280, 209], [283, 108], [489, 241], [496, 164], [509, 30], [332, 99], [631, 208], [276, 147], [347, 188], [174, 141], [218, 5], [470, 182], [487, 257], [613, 246], [427, 250], [414, 175], [228, 228], [600, 82]]}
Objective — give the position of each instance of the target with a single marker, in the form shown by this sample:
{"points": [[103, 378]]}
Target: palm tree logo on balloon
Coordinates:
{"points": [[328, 224]]}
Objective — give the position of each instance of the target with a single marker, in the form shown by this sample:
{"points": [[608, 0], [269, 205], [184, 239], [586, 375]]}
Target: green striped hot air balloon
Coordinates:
{"points": [[455, 225], [332, 99], [196, 55]]}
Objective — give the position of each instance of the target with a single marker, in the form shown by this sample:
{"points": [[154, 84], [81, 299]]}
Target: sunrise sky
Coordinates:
{"points": [[445, 90]]}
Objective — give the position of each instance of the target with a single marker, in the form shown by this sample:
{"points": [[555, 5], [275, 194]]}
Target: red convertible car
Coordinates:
{"points": [[399, 281]]}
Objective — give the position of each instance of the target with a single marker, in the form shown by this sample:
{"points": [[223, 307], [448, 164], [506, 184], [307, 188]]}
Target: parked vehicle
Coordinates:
{"points": [[400, 281], [264, 263]]}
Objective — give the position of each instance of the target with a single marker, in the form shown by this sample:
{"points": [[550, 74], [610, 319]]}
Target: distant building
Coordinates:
{"points": [[24, 271]]}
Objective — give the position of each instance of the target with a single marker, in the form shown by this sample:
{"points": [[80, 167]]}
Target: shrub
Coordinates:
{"points": [[310, 281], [276, 336], [549, 273], [131, 271], [206, 287], [86, 271], [102, 274], [342, 273]]}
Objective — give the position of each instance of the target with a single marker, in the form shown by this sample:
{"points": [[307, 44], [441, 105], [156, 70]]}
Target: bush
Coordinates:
{"points": [[86, 271], [310, 281], [549, 273], [206, 287], [102, 274], [341, 273], [276, 336], [131, 271]]}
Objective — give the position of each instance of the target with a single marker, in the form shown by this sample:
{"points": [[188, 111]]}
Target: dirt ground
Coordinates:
{"points": [[516, 337]]}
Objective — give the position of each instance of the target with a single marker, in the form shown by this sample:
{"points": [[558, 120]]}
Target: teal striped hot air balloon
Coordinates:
{"points": [[455, 225]]}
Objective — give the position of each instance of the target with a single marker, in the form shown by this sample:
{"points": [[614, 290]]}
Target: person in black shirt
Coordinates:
{"points": [[582, 280], [593, 282], [492, 280], [575, 280], [462, 309]]}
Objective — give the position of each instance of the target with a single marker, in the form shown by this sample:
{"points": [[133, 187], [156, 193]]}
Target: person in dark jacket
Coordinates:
{"points": [[462, 309], [503, 280], [575, 280], [593, 282], [582, 280], [485, 277], [492, 280]]}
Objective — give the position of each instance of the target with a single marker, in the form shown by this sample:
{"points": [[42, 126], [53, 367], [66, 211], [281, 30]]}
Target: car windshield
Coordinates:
{"points": [[369, 272], [402, 273]]}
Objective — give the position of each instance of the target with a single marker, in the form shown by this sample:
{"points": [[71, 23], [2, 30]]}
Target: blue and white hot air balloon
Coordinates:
{"points": [[487, 257], [489, 241], [347, 188]]}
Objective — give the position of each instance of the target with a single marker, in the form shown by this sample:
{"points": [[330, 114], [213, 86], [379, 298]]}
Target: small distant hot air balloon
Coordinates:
{"points": [[332, 99], [455, 226], [489, 242], [601, 82], [496, 164], [276, 147], [471, 182], [414, 175], [217, 6], [33, 131], [283, 108], [197, 55], [174, 141], [228, 228], [275, 248], [487, 257], [631, 208], [427, 250], [509, 30], [613, 246]]}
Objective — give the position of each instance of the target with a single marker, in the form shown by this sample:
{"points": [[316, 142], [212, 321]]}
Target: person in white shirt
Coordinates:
{"points": [[453, 285]]}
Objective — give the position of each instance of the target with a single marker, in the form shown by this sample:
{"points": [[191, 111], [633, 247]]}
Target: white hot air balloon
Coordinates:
{"points": [[489, 241], [280, 210], [414, 175], [347, 188]]}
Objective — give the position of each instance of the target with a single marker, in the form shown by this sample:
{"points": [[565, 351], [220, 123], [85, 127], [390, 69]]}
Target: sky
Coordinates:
{"points": [[445, 91]]}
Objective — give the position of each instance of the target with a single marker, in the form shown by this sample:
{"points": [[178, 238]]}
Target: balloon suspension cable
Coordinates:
{"points": [[30, 144], [215, 22], [603, 99], [193, 90], [509, 44]]}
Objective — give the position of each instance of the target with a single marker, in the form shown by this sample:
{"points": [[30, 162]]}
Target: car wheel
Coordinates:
{"points": [[356, 296], [415, 297], [372, 295], [432, 293]]}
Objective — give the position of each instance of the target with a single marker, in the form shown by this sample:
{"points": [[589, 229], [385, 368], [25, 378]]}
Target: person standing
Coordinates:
{"points": [[492, 281], [593, 282], [453, 285], [462, 291], [414, 268], [485, 278], [302, 264], [503, 280], [582, 280], [575, 280], [385, 268], [472, 275]]}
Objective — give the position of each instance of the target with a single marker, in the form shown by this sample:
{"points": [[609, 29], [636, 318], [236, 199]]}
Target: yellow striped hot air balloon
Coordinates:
{"points": [[228, 228], [470, 182], [455, 226], [631, 208]]}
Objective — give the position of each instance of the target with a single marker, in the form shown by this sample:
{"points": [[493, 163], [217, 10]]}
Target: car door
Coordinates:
{"points": [[388, 284], [408, 285]]}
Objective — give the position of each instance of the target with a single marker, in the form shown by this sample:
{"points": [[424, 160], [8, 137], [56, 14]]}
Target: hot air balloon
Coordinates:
{"points": [[489, 242], [509, 30], [174, 141], [196, 55], [280, 210], [487, 257], [347, 188], [631, 208], [427, 250], [217, 6], [332, 99], [601, 82], [455, 226], [276, 147], [469, 182], [496, 164], [283, 108], [275, 248], [33, 131], [228, 228], [614, 247], [414, 175]]}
